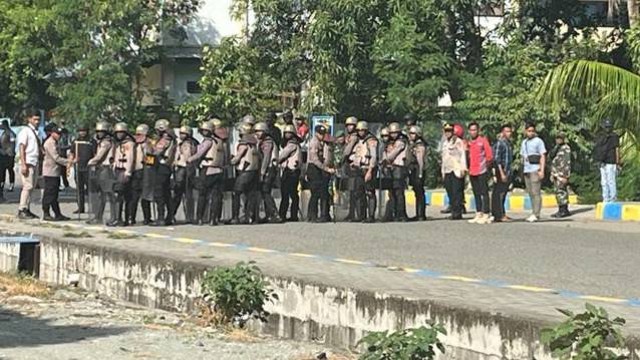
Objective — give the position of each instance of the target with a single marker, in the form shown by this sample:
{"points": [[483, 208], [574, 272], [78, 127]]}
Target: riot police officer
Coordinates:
{"points": [[247, 163], [396, 159], [164, 153], [351, 138], [141, 183], [268, 170], [364, 164], [124, 157], [82, 150], [290, 161], [221, 136], [184, 175], [417, 159], [319, 173], [386, 176], [210, 155], [101, 173]]}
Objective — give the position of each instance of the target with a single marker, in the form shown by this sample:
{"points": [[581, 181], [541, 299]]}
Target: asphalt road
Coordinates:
{"points": [[577, 255]]}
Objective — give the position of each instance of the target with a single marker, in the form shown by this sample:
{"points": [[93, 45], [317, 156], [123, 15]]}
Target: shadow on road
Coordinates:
{"points": [[17, 330]]}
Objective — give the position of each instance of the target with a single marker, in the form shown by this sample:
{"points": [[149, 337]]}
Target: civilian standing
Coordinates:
{"points": [[533, 153], [607, 153], [30, 150], [454, 169], [503, 160], [480, 159]]}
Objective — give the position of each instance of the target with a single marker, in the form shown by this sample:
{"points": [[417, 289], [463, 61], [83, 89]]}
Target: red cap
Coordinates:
{"points": [[458, 131]]}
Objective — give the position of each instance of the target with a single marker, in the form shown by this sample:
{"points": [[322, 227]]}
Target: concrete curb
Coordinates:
{"points": [[618, 211], [513, 202]]}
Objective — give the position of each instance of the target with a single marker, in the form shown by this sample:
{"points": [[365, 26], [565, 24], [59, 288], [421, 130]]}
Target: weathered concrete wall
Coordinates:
{"points": [[9, 255], [334, 316]]}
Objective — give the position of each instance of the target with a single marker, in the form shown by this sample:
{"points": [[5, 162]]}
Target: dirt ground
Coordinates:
{"points": [[38, 322]]}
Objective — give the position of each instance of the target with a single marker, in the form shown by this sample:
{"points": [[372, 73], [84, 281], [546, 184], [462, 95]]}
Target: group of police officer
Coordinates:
{"points": [[161, 172]]}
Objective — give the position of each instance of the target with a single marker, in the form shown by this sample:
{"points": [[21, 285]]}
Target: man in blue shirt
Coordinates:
{"points": [[533, 154], [502, 161]]}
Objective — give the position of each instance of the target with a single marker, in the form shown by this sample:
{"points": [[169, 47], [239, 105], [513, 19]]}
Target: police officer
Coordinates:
{"points": [[247, 163], [82, 149], [318, 175], [351, 138], [210, 155], [409, 121], [52, 166], [164, 153], [560, 173], [290, 161], [142, 170], [396, 159], [184, 175], [123, 170], [417, 156], [386, 176], [364, 165], [101, 169], [268, 170], [221, 135]]}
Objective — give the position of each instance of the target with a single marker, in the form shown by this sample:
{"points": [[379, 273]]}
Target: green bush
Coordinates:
{"points": [[410, 344], [237, 294], [585, 336]]}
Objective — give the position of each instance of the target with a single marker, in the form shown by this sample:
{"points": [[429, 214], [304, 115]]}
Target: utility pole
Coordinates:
{"points": [[632, 9]]}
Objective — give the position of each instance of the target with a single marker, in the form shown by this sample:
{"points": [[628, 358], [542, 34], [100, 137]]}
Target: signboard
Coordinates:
{"points": [[326, 120]]}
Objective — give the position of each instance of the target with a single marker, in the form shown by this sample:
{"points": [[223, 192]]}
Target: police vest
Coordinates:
{"points": [[215, 155], [401, 159], [362, 153], [250, 161]]}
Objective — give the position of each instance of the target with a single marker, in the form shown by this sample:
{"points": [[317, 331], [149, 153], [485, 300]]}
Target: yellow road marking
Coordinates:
{"points": [[460, 278], [303, 255], [156, 236], [530, 288], [261, 250], [73, 225], [352, 262], [603, 299], [218, 244], [95, 228], [411, 270], [187, 240], [126, 232]]}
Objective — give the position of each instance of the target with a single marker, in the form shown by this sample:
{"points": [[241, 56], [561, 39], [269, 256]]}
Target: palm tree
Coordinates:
{"points": [[615, 90]]}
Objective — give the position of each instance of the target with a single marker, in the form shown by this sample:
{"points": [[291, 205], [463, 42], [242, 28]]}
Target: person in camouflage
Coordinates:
{"points": [[560, 173]]}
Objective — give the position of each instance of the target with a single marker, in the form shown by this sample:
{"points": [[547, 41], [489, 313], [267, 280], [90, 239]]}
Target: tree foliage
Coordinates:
{"points": [[85, 57]]}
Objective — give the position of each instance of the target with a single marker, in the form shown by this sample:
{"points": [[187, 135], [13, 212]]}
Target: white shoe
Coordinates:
{"points": [[532, 219], [482, 219], [475, 220], [488, 219]]}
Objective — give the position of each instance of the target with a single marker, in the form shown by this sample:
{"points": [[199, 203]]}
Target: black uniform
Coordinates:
{"points": [[164, 152], [82, 149]]}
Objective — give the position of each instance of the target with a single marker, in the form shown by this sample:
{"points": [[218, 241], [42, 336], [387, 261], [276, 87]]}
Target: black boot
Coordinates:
{"points": [[146, 212], [564, 211], [556, 214]]}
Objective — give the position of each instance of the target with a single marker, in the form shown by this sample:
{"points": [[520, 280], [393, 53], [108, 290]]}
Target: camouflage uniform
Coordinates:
{"points": [[561, 170]]}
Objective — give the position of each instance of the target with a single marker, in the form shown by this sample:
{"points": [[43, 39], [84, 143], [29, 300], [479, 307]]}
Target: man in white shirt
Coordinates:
{"points": [[30, 148]]}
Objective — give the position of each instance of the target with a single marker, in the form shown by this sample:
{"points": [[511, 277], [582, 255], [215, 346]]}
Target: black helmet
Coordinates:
{"points": [[607, 124]]}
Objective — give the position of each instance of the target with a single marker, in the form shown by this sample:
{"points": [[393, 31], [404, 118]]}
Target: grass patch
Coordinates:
{"points": [[14, 284], [240, 335], [77, 235]]}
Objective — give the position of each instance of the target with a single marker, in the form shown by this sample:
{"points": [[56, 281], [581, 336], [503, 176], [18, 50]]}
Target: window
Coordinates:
{"points": [[193, 87]]}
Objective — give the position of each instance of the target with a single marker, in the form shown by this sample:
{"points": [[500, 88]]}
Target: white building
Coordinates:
{"points": [[178, 72]]}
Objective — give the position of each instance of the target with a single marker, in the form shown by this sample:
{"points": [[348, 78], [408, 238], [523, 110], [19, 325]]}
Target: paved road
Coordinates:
{"points": [[578, 255]]}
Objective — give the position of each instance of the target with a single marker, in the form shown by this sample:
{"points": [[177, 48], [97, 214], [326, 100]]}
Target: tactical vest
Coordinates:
{"points": [[108, 160], [274, 150], [215, 155], [84, 152], [139, 158], [167, 156], [294, 161], [251, 159], [362, 156], [412, 157], [401, 159], [122, 153], [185, 151]]}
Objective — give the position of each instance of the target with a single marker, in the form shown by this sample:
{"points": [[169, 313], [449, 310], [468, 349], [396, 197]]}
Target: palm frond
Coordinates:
{"points": [[616, 90]]}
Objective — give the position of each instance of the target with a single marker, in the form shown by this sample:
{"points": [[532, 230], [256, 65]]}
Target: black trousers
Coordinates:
{"points": [[454, 187], [266, 186], [162, 192], [82, 185], [397, 193], [498, 196], [123, 192], [210, 197], [184, 178], [7, 164], [104, 188], [132, 203], [50, 195], [63, 176], [480, 187], [289, 192], [417, 184], [246, 185], [319, 186]]}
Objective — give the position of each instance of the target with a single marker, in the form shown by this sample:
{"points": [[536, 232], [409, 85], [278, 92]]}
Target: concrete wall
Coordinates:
{"points": [[9, 255], [337, 317]]}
